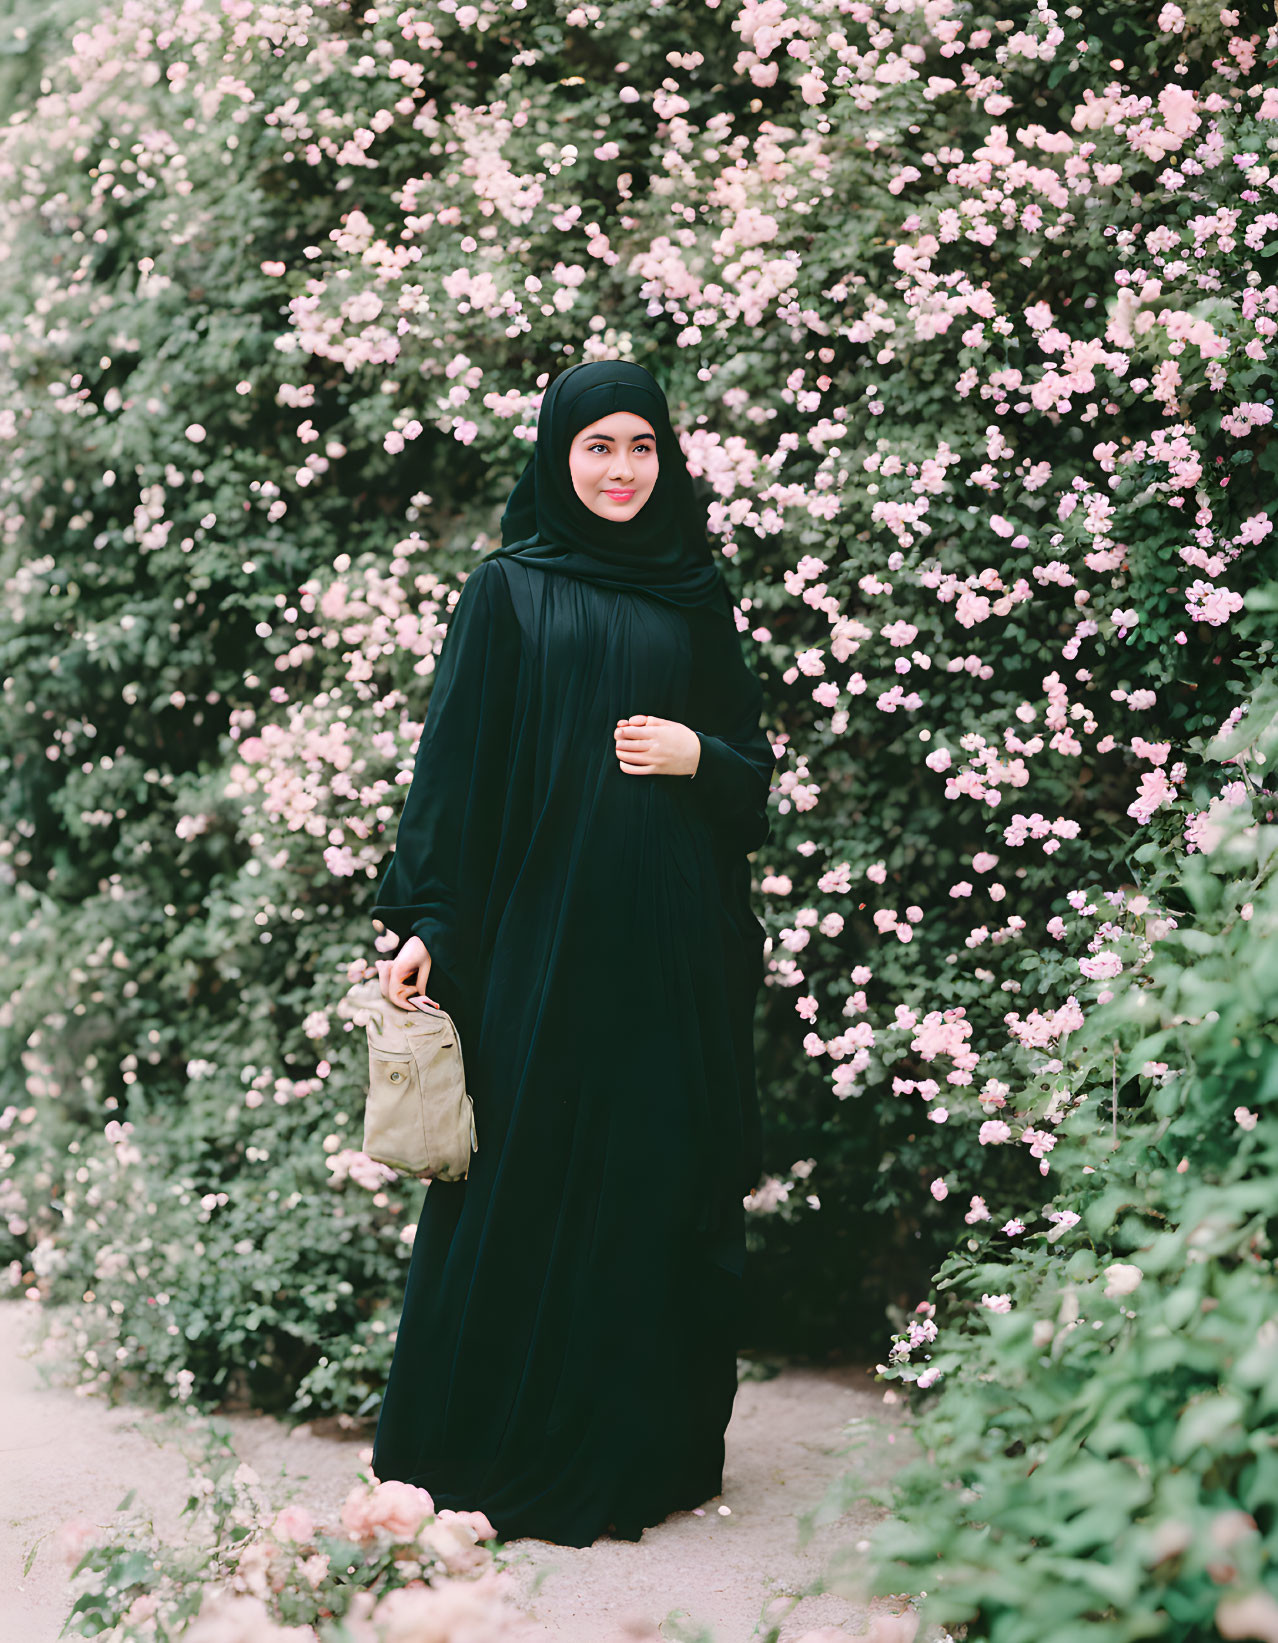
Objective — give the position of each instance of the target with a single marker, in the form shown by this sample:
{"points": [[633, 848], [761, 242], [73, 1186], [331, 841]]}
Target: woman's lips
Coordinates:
{"points": [[619, 496]]}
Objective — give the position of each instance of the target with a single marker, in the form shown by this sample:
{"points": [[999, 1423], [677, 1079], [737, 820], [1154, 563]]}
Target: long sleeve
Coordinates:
{"points": [[451, 824], [734, 772]]}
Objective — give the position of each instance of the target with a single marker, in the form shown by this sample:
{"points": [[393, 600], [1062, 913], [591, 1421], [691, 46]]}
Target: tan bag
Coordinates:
{"points": [[418, 1118]]}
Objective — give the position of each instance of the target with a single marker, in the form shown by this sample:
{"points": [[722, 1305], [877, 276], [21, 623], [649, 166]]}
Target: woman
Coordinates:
{"points": [[570, 882]]}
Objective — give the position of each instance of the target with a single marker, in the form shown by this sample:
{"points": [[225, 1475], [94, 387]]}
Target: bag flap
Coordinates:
{"points": [[366, 1005]]}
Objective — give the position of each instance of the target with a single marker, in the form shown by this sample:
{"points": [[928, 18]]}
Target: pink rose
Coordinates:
{"points": [[477, 1521], [454, 1542], [472, 1608], [314, 1568], [398, 1508], [294, 1523]]}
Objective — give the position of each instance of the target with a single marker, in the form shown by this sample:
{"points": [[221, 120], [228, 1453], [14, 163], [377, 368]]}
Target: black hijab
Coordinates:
{"points": [[664, 550]]}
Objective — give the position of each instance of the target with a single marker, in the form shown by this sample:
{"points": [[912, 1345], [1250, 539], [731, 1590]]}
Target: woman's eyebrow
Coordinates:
{"points": [[634, 438]]}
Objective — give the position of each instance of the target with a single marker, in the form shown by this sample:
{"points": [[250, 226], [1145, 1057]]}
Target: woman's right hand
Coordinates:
{"points": [[406, 973]]}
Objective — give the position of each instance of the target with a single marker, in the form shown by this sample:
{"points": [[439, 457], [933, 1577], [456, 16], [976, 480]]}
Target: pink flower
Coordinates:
{"points": [[1244, 1118], [398, 1508], [1205, 602], [294, 1523], [971, 608], [455, 1542], [314, 1569], [340, 862], [475, 1520], [73, 1539], [939, 1189], [457, 1609], [994, 1132], [1253, 1615], [1040, 1141], [997, 1303]]}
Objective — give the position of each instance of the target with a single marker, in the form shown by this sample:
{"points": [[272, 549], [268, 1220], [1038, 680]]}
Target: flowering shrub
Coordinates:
{"points": [[1097, 1446], [966, 320], [393, 1569]]}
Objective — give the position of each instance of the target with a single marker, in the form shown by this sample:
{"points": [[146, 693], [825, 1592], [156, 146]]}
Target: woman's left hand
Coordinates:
{"points": [[649, 746]]}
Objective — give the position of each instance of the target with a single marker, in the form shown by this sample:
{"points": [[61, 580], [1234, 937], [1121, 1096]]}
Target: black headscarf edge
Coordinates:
{"points": [[665, 550]]}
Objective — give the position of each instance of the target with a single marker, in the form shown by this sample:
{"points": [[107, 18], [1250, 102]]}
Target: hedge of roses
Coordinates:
{"points": [[966, 318], [392, 1569], [1102, 1464]]}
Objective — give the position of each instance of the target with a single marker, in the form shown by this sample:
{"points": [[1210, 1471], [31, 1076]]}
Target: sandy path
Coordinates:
{"points": [[66, 1455]]}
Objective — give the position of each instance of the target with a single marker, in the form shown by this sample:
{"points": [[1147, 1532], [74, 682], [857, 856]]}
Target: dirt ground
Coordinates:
{"points": [[727, 1575]]}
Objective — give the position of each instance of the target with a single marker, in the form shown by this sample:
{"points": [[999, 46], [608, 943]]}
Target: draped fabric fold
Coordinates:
{"points": [[441, 873], [566, 1355]]}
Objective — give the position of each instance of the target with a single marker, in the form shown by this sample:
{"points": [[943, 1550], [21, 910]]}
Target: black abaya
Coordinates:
{"points": [[566, 1355]]}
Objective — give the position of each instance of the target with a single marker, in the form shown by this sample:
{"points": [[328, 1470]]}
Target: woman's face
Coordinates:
{"points": [[613, 464]]}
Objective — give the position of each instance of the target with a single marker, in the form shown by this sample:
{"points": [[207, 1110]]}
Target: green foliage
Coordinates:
{"points": [[1102, 1463], [245, 1570], [967, 322]]}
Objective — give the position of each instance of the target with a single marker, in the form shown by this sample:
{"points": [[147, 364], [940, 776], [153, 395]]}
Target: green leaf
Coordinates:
{"points": [[1204, 1424], [1258, 727]]}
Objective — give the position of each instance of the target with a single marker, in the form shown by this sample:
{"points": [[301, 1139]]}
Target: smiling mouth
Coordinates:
{"points": [[619, 496]]}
